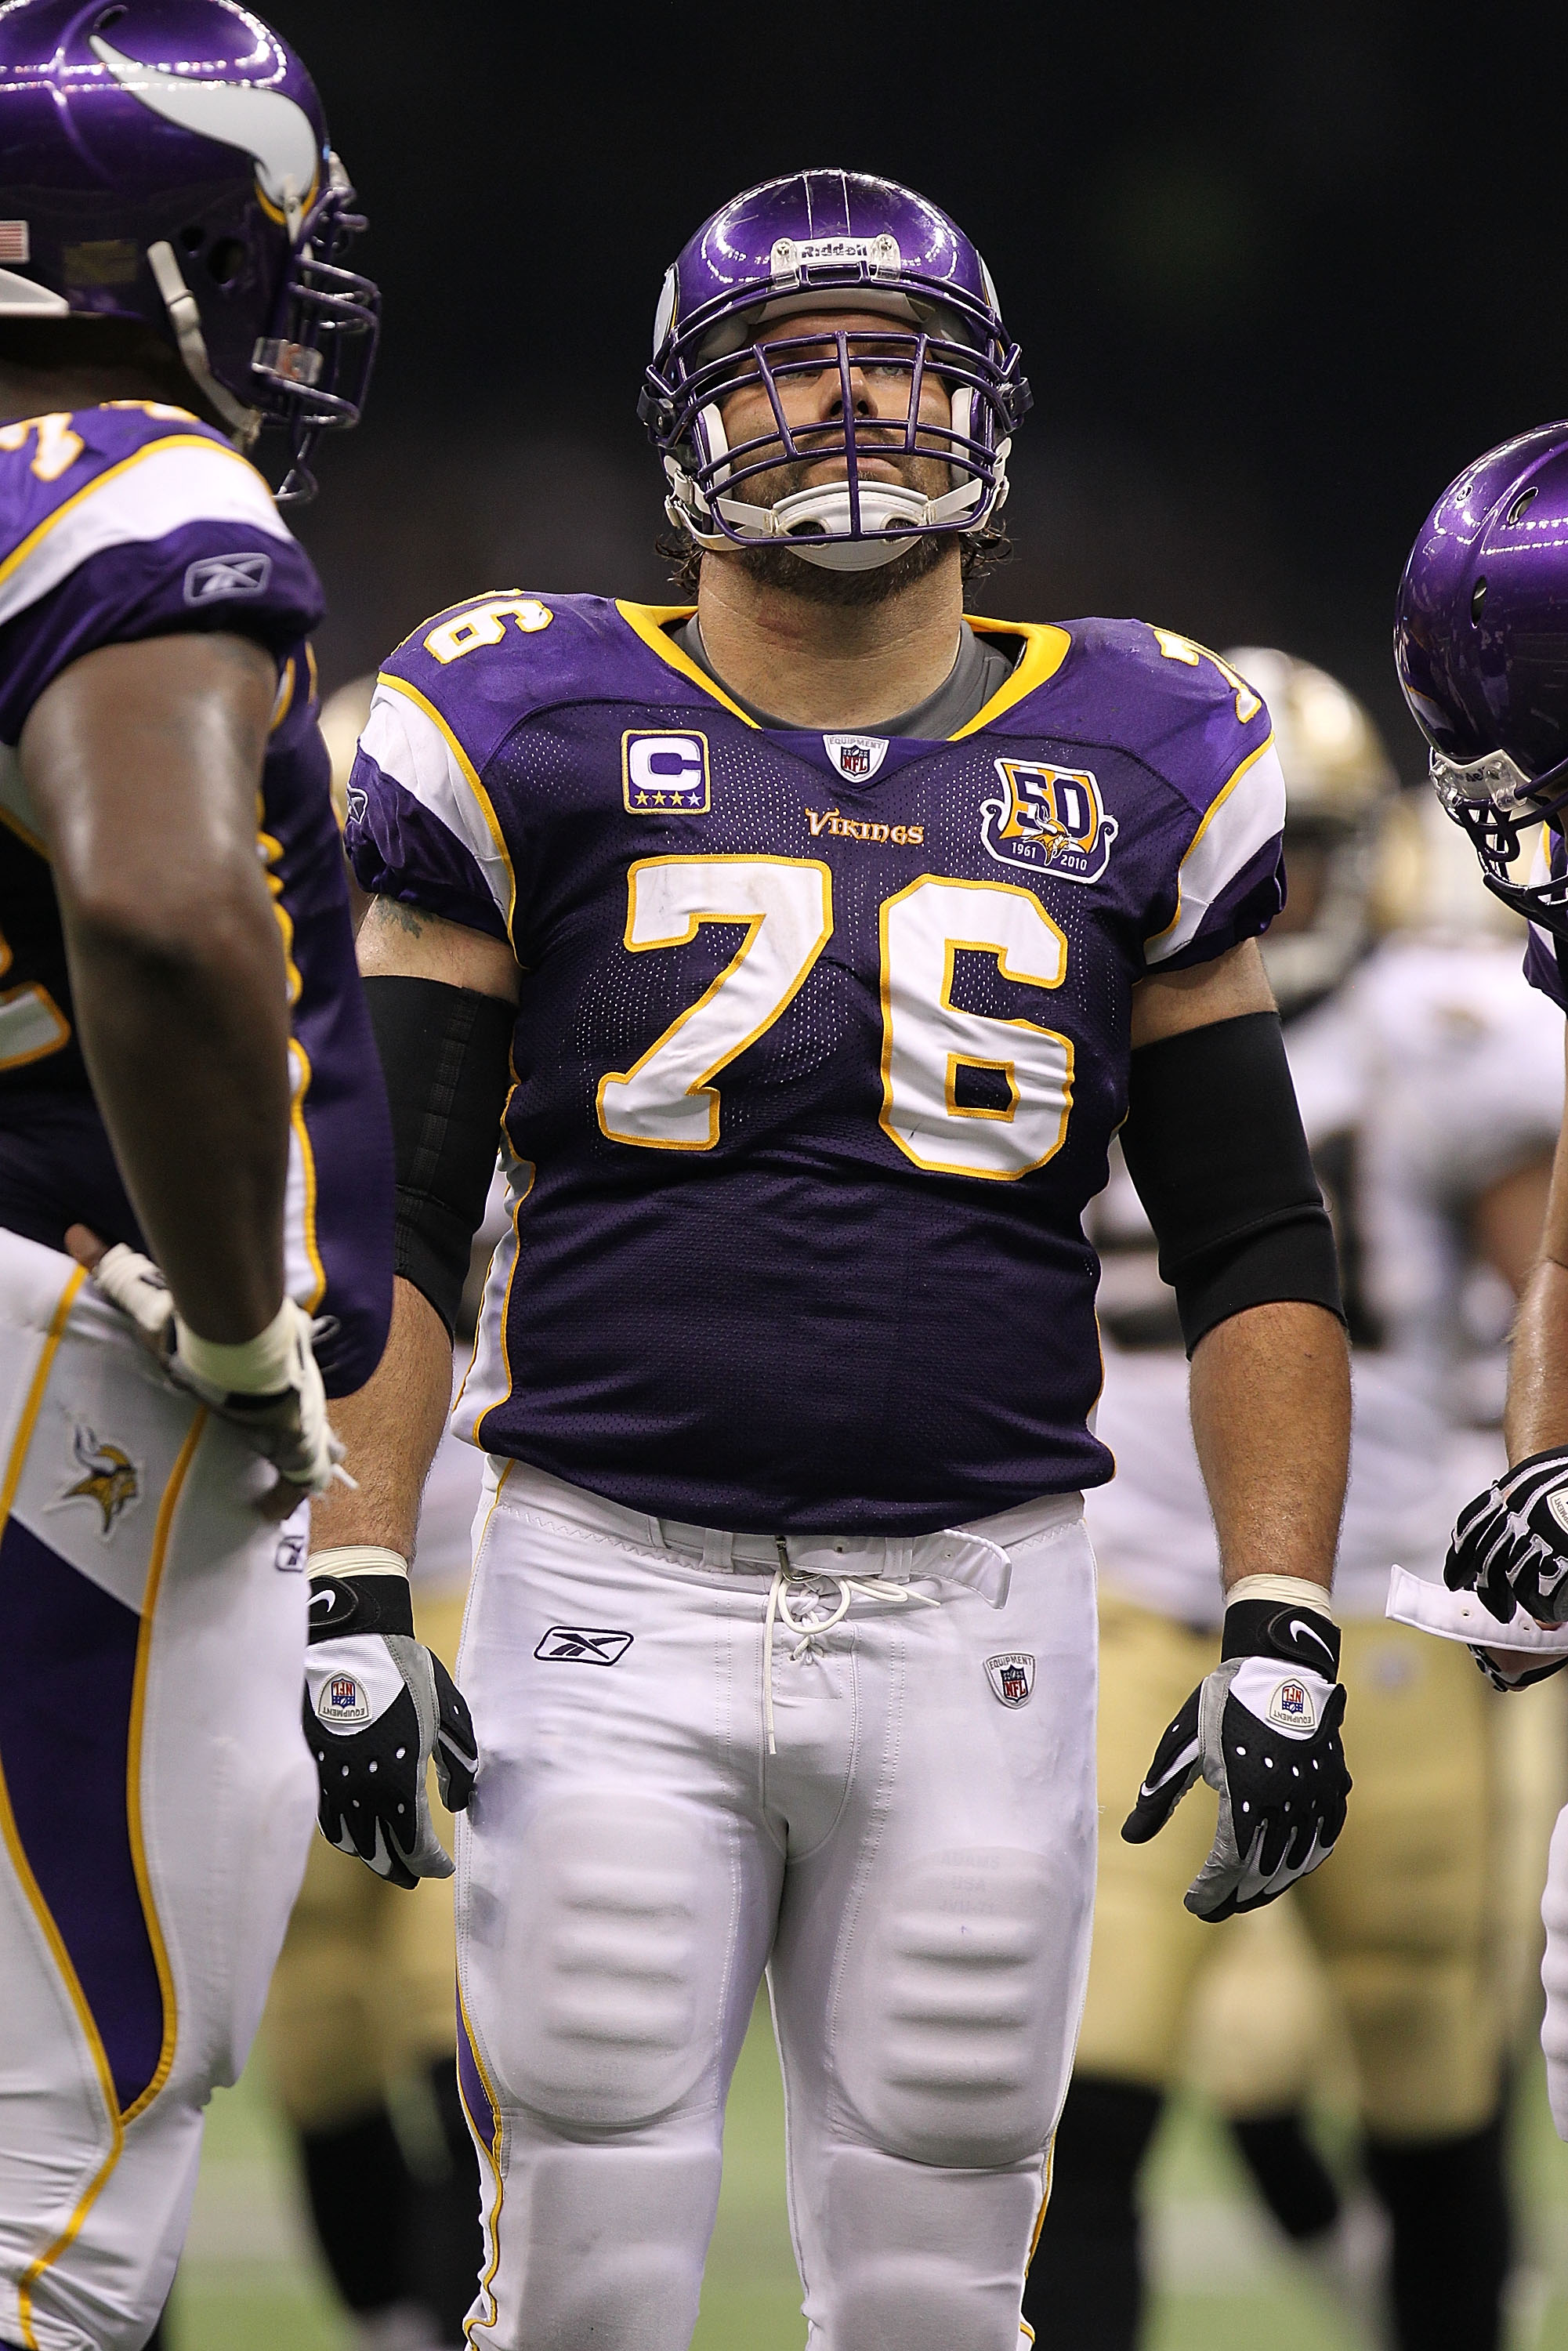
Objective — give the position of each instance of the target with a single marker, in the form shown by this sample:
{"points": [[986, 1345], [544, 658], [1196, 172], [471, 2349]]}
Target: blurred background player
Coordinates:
{"points": [[360, 2030], [186, 1076], [1431, 1086]]}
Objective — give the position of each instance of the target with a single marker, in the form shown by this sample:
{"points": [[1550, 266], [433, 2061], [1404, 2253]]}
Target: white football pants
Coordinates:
{"points": [[914, 1866], [1555, 1974], [156, 1799]]}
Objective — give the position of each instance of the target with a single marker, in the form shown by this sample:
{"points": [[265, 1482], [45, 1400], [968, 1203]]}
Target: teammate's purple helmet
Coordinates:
{"points": [[167, 160], [818, 241], [1480, 642]]}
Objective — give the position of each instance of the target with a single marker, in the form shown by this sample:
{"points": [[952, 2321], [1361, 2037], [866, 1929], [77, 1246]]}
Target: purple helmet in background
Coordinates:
{"points": [[167, 160], [1480, 643], [811, 242]]}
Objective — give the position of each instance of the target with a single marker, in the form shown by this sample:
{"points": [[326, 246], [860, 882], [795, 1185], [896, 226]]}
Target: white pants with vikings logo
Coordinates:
{"points": [[156, 1801], [914, 1865]]}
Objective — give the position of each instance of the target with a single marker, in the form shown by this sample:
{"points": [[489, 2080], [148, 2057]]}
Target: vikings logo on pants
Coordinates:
{"points": [[155, 1798]]}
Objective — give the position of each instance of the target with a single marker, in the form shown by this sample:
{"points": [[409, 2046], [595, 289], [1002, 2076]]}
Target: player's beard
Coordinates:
{"points": [[776, 565]]}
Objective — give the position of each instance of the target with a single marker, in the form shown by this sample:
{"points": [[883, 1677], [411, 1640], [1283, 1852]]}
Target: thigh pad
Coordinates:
{"points": [[613, 1959], [954, 2022]]}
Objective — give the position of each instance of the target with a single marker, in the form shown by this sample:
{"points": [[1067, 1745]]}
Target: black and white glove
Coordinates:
{"points": [[1510, 1547], [1263, 1729], [269, 1387], [379, 1707]]}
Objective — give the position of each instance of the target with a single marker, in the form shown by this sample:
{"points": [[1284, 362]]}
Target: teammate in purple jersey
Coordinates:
{"points": [[195, 1203], [810, 945], [1481, 646]]}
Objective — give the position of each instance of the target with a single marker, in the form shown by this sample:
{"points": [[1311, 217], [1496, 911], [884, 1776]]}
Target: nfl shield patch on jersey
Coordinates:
{"points": [[856, 757], [1012, 1676]]}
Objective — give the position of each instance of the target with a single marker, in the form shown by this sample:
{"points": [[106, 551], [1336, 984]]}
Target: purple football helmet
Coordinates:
{"points": [[1480, 642], [821, 240], [167, 160]]}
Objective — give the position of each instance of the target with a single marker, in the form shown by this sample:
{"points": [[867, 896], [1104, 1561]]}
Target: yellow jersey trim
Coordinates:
{"points": [[1211, 813], [650, 621], [493, 2155], [18, 555], [471, 776], [1046, 647], [161, 1533]]}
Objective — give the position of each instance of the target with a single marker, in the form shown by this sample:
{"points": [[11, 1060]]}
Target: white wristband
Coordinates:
{"points": [[1288, 1591], [358, 1559], [260, 1366]]}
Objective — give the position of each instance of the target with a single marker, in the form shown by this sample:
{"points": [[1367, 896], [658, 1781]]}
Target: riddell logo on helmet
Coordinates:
{"points": [[880, 255]]}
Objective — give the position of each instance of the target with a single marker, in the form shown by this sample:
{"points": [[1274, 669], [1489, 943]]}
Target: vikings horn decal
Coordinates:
{"points": [[268, 126]]}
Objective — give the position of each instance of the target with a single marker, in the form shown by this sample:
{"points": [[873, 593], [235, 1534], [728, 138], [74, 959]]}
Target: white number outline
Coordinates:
{"points": [[1175, 647], [484, 624], [33, 992], [955, 1061], [702, 1085]]}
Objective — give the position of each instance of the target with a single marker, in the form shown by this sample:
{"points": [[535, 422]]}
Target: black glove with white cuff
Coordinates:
{"points": [[379, 1707], [1511, 1548], [1263, 1729]]}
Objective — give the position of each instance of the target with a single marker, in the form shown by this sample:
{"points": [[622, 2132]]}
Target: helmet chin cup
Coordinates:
{"points": [[890, 517]]}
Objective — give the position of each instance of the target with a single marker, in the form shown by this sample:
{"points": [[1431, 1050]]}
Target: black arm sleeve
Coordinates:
{"points": [[1214, 1141], [445, 1054]]}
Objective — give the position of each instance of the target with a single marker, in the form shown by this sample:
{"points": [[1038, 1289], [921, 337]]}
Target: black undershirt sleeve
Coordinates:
{"points": [[445, 1055], [1215, 1144]]}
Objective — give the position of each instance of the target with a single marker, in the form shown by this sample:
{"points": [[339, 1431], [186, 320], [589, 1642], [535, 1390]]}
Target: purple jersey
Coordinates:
{"points": [[135, 520], [822, 1042]]}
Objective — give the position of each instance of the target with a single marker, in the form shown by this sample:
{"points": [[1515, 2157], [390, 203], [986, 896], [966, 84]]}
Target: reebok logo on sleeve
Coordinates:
{"points": [[215, 576]]}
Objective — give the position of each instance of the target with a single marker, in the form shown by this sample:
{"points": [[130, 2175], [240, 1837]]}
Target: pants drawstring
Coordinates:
{"points": [[810, 1579]]}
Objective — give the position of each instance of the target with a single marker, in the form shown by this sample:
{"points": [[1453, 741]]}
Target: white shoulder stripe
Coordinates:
{"points": [[161, 488], [1244, 816], [408, 743]]}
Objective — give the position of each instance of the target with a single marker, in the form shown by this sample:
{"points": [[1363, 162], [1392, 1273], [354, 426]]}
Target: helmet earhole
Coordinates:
{"points": [[193, 238], [1525, 498], [225, 261], [1477, 598], [110, 16]]}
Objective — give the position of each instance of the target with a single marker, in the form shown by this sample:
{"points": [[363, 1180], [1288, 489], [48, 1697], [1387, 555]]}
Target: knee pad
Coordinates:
{"points": [[914, 2258], [953, 2029], [601, 1994]]}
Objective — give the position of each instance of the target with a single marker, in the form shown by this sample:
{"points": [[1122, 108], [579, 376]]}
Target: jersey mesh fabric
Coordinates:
{"points": [[797, 1327]]}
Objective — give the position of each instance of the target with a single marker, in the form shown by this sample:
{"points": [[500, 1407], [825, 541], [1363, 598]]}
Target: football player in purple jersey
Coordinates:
{"points": [[808, 944], [195, 1197], [1481, 647]]}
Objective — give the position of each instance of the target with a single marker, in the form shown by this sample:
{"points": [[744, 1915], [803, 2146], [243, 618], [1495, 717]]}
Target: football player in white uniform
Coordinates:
{"points": [[1386, 1043], [810, 945]]}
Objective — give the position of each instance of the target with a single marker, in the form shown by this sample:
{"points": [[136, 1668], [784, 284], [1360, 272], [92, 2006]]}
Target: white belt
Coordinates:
{"points": [[862, 1567]]}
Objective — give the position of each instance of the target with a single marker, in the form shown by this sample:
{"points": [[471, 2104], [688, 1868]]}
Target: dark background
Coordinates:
{"points": [[1278, 273]]}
